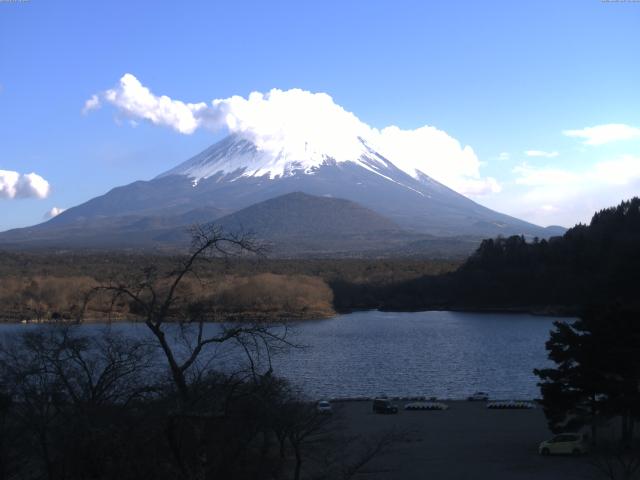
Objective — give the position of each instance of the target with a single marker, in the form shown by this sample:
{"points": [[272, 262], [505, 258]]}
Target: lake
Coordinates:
{"points": [[442, 354]]}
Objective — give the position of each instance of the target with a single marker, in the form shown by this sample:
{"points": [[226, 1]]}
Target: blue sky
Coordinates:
{"points": [[502, 77]]}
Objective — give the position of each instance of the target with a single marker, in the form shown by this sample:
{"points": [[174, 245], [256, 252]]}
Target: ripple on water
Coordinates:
{"points": [[442, 354]]}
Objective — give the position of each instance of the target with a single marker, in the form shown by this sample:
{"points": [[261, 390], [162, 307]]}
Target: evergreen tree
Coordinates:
{"points": [[597, 373]]}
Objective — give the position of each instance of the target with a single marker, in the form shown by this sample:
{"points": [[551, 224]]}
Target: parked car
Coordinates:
{"points": [[324, 406], [384, 405], [565, 443], [478, 397]]}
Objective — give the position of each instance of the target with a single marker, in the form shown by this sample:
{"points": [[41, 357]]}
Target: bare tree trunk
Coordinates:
{"points": [[266, 444], [594, 420], [298, 467], [176, 372], [44, 444], [626, 428], [282, 440], [174, 444]]}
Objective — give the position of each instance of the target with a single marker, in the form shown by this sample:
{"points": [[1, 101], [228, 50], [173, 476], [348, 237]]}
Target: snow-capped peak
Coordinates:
{"points": [[297, 129], [239, 157]]}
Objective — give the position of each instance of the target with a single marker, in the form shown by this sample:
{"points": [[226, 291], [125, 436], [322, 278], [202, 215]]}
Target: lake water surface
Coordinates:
{"points": [[442, 354]]}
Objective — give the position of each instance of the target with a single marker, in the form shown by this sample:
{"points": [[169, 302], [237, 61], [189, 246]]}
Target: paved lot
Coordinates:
{"points": [[468, 441]]}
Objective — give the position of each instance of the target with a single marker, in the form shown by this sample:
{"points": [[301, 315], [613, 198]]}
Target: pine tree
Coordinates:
{"points": [[597, 372]]}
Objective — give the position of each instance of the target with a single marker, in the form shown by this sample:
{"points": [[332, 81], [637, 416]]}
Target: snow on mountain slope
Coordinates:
{"points": [[239, 157], [234, 157], [235, 173]]}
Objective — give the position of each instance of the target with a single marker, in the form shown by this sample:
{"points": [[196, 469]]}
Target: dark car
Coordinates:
{"points": [[478, 397], [384, 405]]}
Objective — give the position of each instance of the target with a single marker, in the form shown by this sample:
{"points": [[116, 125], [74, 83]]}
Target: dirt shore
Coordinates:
{"points": [[467, 441]]}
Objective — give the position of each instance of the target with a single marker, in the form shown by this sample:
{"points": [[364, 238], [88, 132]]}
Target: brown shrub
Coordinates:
{"points": [[43, 297], [295, 295], [265, 295]]}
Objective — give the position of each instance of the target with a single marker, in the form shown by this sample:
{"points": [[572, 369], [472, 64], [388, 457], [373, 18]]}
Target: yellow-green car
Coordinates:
{"points": [[564, 443]]}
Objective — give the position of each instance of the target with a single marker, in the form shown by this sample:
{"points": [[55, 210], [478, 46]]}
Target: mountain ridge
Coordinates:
{"points": [[222, 180]]}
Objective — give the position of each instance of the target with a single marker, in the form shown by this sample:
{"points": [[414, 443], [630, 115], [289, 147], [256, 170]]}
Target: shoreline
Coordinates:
{"points": [[289, 317], [251, 317], [542, 311], [447, 401]]}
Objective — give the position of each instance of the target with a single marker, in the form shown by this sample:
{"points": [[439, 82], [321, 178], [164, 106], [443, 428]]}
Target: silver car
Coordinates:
{"points": [[564, 443]]}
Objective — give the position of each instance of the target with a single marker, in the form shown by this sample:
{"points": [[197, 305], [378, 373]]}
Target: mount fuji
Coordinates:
{"points": [[236, 174]]}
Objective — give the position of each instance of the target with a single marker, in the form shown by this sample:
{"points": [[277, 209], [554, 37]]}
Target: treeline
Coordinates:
{"points": [[278, 296], [591, 264], [107, 265], [595, 264], [52, 286], [43, 298], [265, 296]]}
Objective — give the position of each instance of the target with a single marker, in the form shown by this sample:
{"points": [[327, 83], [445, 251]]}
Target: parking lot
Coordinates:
{"points": [[467, 441]]}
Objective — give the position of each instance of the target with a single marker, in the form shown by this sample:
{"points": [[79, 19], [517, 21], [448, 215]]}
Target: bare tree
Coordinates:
{"points": [[59, 380], [617, 462], [347, 456], [158, 299], [320, 448], [303, 425]]}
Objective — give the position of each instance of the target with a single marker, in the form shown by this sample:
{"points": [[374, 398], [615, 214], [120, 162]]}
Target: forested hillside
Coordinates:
{"points": [[591, 264]]}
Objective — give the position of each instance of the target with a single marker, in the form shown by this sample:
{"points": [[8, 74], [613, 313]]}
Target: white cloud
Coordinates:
{"points": [[478, 188], [137, 101], [92, 103], [17, 185], [533, 176], [504, 156], [601, 134], [559, 196], [541, 153], [54, 212], [621, 171], [435, 153], [297, 123]]}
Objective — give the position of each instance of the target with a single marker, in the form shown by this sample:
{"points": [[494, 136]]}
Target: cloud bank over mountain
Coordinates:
{"points": [[296, 123]]}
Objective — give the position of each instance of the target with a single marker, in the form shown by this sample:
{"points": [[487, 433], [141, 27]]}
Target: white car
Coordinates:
{"points": [[324, 406], [564, 443], [478, 397]]}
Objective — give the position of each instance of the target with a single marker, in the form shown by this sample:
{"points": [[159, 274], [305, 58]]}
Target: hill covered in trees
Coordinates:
{"points": [[50, 285], [595, 264], [590, 264]]}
